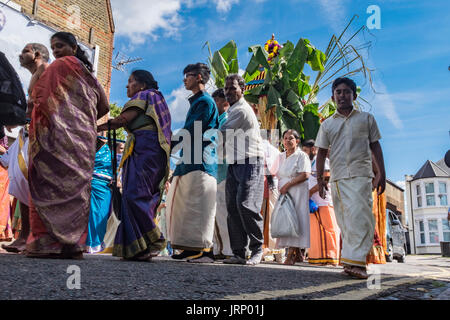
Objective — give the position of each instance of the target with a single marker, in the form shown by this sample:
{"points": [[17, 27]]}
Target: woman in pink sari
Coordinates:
{"points": [[68, 101]]}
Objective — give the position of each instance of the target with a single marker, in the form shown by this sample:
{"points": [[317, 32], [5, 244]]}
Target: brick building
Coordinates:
{"points": [[91, 21], [395, 198]]}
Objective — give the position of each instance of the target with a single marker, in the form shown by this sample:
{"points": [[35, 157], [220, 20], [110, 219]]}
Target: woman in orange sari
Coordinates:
{"points": [[5, 204], [68, 101], [377, 254]]}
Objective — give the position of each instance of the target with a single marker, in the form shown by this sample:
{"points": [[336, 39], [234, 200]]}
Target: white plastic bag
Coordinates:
{"points": [[284, 222]]}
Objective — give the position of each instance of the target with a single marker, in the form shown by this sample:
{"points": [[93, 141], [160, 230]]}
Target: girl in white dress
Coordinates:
{"points": [[293, 173]]}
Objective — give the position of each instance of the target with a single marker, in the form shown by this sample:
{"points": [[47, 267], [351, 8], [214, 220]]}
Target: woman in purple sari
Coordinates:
{"points": [[145, 162]]}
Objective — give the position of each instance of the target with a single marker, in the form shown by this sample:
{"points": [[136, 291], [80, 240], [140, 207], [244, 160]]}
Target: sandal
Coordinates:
{"points": [[291, 258], [357, 272]]}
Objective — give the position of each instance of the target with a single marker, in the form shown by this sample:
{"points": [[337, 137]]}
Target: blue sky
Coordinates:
{"points": [[410, 55]]}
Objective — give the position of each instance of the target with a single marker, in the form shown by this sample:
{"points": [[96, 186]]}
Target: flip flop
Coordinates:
{"points": [[358, 273], [10, 249]]}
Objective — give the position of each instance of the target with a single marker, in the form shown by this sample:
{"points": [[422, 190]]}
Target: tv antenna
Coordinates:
{"points": [[121, 60]]}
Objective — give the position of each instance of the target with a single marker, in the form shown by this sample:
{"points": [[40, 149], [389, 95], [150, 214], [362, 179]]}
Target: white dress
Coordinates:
{"points": [[289, 169]]}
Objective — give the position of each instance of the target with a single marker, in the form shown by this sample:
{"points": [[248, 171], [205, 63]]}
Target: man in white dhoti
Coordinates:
{"points": [[352, 137], [222, 247], [191, 201], [34, 57]]}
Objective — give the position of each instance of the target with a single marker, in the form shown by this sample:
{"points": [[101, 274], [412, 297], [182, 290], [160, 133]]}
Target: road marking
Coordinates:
{"points": [[360, 294], [262, 295]]}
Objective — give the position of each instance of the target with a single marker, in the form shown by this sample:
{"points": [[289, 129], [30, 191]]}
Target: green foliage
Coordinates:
{"points": [[223, 62], [286, 86], [115, 111]]}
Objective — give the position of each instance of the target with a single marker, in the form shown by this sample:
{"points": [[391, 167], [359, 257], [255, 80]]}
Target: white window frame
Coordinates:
{"points": [[433, 231], [444, 221], [422, 233], [430, 194], [419, 195], [442, 195]]}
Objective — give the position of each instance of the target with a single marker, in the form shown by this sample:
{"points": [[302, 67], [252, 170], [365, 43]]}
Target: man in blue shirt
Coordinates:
{"points": [[191, 203]]}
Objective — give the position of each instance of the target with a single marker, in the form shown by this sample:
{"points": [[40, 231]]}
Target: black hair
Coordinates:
{"points": [[349, 82], [294, 133], [199, 68], [70, 39], [219, 93], [309, 143], [37, 47], [146, 78], [238, 78]]}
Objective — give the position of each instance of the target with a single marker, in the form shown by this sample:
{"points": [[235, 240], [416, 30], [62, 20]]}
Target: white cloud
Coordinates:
{"points": [[225, 5], [143, 19], [179, 104]]}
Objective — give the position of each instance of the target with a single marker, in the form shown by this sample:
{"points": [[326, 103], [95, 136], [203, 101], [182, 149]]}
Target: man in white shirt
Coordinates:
{"points": [[352, 137], [244, 154]]}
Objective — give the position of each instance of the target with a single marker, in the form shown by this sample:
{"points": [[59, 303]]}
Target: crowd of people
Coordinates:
{"points": [[216, 205]]}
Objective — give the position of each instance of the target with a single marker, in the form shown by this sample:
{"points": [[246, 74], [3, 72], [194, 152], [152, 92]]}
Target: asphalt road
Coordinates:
{"points": [[103, 277]]}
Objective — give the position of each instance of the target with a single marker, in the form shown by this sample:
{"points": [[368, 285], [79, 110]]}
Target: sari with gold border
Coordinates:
{"points": [[146, 165], [62, 152]]}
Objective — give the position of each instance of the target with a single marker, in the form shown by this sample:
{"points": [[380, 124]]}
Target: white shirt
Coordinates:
{"points": [[349, 139], [312, 182], [241, 134]]}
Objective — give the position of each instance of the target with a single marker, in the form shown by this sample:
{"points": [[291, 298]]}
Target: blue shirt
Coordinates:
{"points": [[203, 110], [222, 169]]}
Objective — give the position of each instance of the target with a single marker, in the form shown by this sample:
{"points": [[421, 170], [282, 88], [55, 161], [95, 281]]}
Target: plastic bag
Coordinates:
{"points": [[313, 208], [284, 222]]}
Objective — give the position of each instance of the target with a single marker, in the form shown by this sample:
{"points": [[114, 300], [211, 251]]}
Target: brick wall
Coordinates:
{"points": [[395, 200], [94, 14]]}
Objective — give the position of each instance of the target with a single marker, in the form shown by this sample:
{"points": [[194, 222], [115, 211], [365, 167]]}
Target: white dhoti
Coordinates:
{"points": [[221, 235], [191, 211], [353, 202]]}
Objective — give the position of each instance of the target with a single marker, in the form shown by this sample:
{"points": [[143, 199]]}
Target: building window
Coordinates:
{"points": [[433, 231], [446, 229], [443, 193], [422, 232], [429, 190], [419, 196]]}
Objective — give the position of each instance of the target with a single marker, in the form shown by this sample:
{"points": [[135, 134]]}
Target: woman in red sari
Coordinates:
{"points": [[68, 101]]}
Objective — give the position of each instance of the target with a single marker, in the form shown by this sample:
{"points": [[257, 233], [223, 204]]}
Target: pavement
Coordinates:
{"points": [[103, 277]]}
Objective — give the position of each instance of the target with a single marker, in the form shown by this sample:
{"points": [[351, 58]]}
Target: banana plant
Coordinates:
{"points": [[223, 62], [285, 86], [285, 96]]}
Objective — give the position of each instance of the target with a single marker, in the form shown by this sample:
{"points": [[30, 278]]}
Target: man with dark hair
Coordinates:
{"points": [[222, 248], [191, 202], [352, 137], [244, 154]]}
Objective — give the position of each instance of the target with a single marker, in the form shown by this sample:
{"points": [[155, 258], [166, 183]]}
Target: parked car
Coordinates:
{"points": [[395, 237]]}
